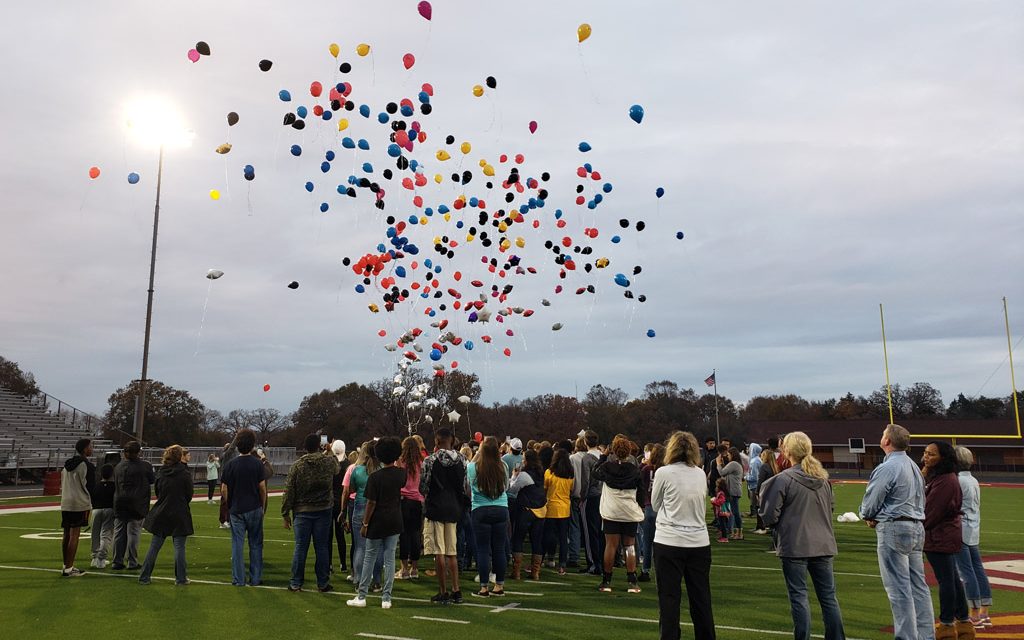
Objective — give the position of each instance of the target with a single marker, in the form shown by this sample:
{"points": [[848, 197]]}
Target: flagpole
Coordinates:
{"points": [[718, 432]]}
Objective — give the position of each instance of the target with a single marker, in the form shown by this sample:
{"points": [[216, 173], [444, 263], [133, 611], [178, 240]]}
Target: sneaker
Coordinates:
{"points": [[761, 532], [93, 563], [561, 571], [550, 564], [385, 604], [440, 598], [225, 525], [483, 593], [644, 577], [724, 540], [101, 564], [401, 575], [144, 582], [456, 597], [117, 567], [500, 593], [986, 622], [376, 588], [294, 589], [633, 588], [327, 588], [184, 584], [73, 572], [356, 602], [414, 575], [605, 586], [977, 623]]}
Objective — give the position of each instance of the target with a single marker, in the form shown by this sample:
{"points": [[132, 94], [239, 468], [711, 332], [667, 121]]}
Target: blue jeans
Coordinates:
{"points": [[489, 525], [972, 571], [315, 524], [795, 571], [952, 599], [465, 540], [737, 519], [901, 563], [180, 568], [647, 527], [575, 529], [359, 546], [382, 549], [247, 525]]}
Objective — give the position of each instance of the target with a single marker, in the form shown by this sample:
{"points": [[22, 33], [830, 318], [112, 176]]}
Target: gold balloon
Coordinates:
{"points": [[438, 178], [374, 308], [502, 227], [520, 242], [342, 124], [224, 148], [478, 90], [334, 49], [214, 194], [488, 170], [601, 263], [363, 49], [442, 155], [583, 31], [505, 244], [466, 147]]}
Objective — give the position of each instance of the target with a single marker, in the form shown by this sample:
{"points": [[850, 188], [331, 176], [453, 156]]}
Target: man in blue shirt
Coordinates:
{"points": [[244, 490], [893, 506]]}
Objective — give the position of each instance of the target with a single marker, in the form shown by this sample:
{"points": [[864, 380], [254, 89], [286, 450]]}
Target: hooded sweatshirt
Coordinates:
{"points": [[441, 483], [799, 506], [621, 479], [171, 515], [77, 479], [755, 466], [310, 484]]}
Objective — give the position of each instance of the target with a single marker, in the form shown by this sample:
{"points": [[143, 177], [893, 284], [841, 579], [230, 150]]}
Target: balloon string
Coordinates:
{"points": [[586, 74], [202, 321]]}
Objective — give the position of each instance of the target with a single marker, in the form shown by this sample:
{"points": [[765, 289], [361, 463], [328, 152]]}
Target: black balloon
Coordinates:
{"points": [[425, 108], [491, 82], [641, 225], [345, 67], [636, 270], [350, 106], [265, 65], [335, 105], [391, 108], [623, 223], [232, 119], [390, 220], [293, 285], [545, 176], [289, 118], [387, 174], [299, 125], [449, 140], [346, 261], [203, 48], [402, 163], [467, 176]]}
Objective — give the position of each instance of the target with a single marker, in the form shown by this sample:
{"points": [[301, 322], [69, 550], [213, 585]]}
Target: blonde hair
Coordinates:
{"points": [[797, 448], [768, 457], [173, 454], [681, 446]]}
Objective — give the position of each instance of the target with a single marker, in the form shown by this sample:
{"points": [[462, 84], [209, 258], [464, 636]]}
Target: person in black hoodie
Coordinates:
{"points": [[528, 518], [132, 478], [442, 482], [621, 513], [103, 517], [170, 516]]}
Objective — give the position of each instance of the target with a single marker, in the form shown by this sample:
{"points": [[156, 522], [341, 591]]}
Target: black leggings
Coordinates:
{"points": [[527, 523], [557, 534], [339, 536], [410, 542], [212, 486]]}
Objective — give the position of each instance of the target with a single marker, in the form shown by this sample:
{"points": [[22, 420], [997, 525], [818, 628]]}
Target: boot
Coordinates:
{"points": [[964, 630], [945, 631], [517, 566], [535, 562]]}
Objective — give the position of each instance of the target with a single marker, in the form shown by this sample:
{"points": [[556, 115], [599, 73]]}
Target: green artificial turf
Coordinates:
{"points": [[748, 591]]}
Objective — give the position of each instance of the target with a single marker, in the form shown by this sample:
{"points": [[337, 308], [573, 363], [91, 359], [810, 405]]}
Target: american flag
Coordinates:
{"points": [[710, 380]]}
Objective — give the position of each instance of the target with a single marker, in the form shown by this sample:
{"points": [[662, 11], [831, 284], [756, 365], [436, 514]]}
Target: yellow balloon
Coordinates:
{"points": [[466, 147], [502, 227], [442, 155], [583, 31], [334, 49], [363, 49], [437, 239], [374, 308], [447, 218], [469, 237], [478, 90], [520, 242], [423, 220], [483, 163], [601, 263], [342, 124], [438, 178], [488, 170], [505, 244], [214, 194]]}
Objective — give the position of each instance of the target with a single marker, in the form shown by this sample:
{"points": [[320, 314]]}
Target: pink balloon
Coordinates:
{"points": [[533, 126], [408, 60], [425, 9], [193, 55]]}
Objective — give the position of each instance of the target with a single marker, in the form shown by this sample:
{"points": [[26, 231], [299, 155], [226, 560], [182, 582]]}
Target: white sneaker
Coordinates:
{"points": [[95, 564], [356, 602], [101, 564], [225, 525], [385, 604]]}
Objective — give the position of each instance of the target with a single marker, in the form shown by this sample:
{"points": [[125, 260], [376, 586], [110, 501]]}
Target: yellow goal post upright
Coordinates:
{"points": [[954, 436]]}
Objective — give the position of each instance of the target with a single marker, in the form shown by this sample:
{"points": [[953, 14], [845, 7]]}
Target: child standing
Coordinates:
{"points": [[723, 510]]}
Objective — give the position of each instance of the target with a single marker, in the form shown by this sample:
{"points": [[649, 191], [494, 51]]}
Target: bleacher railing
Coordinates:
{"points": [[73, 416]]}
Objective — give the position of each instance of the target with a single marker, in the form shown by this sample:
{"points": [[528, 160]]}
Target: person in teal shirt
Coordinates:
{"points": [[487, 477]]}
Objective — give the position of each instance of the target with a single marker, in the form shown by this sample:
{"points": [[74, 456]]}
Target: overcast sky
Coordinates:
{"points": [[821, 158]]}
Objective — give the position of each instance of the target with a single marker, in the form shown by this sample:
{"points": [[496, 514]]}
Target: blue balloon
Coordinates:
{"points": [[360, 288], [606, 187], [636, 113], [558, 214], [469, 345], [325, 166], [248, 169], [383, 117], [474, 201], [133, 178], [412, 249], [621, 280], [616, 239], [586, 165], [660, 191], [460, 224], [363, 144], [413, 164], [324, 207], [296, 150], [284, 95], [394, 150], [650, 333], [400, 271], [428, 263], [598, 198], [309, 187], [348, 143], [585, 147], [424, 97], [443, 209], [429, 211], [340, 87], [406, 111], [329, 155], [435, 354], [301, 112], [437, 269], [327, 115], [679, 235], [367, 167], [364, 110]]}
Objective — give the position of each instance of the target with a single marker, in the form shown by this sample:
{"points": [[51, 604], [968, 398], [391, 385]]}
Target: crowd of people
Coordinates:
{"points": [[578, 503]]}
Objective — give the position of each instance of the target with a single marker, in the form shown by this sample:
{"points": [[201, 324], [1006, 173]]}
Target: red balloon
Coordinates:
{"points": [[408, 60], [316, 89], [478, 436], [94, 172], [533, 126], [266, 388], [425, 9]]}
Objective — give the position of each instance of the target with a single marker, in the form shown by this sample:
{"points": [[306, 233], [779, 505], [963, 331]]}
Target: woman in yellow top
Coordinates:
{"points": [[558, 481]]}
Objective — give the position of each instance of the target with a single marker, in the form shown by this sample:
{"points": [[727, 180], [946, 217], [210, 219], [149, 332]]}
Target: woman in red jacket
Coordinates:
{"points": [[943, 539]]}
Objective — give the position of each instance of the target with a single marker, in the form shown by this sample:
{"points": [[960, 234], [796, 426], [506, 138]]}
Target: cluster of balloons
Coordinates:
{"points": [[201, 49]]}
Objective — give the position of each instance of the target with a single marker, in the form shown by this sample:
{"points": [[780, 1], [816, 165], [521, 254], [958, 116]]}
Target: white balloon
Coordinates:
{"points": [[432, 403], [412, 406], [398, 379], [428, 419], [398, 391], [213, 274], [390, 347], [464, 399], [453, 416]]}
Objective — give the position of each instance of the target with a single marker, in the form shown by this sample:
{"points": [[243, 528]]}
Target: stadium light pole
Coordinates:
{"points": [[153, 122]]}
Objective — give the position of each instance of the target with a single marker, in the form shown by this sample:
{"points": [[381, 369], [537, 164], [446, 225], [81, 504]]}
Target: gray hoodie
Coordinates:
{"points": [[799, 506]]}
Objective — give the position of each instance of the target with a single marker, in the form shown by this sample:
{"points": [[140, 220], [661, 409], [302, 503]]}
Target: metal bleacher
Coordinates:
{"points": [[36, 435]]}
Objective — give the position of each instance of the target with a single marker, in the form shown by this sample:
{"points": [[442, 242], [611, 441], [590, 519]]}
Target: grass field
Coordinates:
{"points": [[748, 591]]}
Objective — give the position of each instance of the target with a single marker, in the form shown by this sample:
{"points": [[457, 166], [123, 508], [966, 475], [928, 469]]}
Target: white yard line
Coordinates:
{"points": [[381, 637], [512, 606], [452, 620]]}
